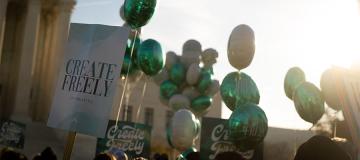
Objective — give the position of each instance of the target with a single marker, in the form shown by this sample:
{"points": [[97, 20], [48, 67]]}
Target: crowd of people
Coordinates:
{"points": [[316, 148]]}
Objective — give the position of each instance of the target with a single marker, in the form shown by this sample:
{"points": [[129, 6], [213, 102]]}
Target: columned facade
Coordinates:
{"points": [[32, 37]]}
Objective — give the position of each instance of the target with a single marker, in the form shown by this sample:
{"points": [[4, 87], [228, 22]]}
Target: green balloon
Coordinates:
{"points": [[248, 126], [238, 89], [128, 65], [138, 12], [294, 77], [309, 102], [204, 82], [130, 43], [200, 104], [168, 89], [177, 73], [150, 58]]}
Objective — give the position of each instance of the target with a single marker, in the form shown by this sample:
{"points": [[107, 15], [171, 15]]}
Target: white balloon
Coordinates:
{"points": [[191, 92], [213, 89], [209, 56], [191, 53], [191, 46], [193, 74], [184, 129], [161, 77], [241, 46], [179, 101], [171, 59]]}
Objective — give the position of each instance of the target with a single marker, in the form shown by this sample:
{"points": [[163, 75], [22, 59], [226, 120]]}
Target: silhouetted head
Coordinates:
{"points": [[321, 147]]}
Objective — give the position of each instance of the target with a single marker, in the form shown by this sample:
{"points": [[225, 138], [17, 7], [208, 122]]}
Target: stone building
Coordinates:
{"points": [[33, 34]]}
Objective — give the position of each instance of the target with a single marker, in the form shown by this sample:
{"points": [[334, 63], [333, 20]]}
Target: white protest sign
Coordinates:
{"points": [[87, 80]]}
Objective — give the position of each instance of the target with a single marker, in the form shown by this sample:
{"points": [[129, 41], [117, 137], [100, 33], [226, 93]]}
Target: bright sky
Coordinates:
{"points": [[313, 35]]}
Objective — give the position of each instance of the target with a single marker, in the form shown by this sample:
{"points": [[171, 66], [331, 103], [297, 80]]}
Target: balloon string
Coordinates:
{"points": [[335, 128], [126, 80], [142, 98]]}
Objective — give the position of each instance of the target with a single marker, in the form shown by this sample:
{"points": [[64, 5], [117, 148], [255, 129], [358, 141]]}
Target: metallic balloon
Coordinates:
{"points": [[128, 65], [200, 104], [190, 92], [237, 89], [193, 74], [184, 129], [208, 57], [179, 101], [177, 73], [213, 89], [168, 89], [248, 126], [191, 53], [328, 83], [294, 77], [150, 58], [241, 46], [138, 12], [133, 43], [204, 82], [309, 102], [171, 59], [161, 77]]}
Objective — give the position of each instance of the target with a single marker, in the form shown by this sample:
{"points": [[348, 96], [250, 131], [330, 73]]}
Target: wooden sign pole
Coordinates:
{"points": [[69, 145]]}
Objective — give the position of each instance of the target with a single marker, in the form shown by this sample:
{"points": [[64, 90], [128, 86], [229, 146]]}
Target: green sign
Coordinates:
{"points": [[215, 139], [132, 138], [12, 134]]}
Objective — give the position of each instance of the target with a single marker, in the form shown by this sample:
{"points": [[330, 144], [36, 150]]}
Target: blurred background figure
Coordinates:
{"points": [[46, 154], [9, 154], [321, 147]]}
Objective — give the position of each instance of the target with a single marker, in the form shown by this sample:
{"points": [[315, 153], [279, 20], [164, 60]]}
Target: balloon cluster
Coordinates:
{"points": [[184, 84], [308, 99], [248, 122]]}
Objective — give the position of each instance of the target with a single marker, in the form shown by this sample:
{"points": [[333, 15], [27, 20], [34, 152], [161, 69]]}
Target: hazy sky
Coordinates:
{"points": [[311, 34]]}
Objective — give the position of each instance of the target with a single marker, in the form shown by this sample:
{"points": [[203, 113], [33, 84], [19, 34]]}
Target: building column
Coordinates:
{"points": [[27, 53], [54, 57], [3, 6]]}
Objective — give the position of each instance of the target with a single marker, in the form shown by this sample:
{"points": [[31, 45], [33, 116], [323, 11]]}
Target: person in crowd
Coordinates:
{"points": [[321, 147], [103, 156], [193, 156], [9, 154], [46, 154], [229, 156]]}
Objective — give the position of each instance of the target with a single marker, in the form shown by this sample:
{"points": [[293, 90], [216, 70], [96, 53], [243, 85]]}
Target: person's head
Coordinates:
{"points": [[229, 156], [102, 156], [48, 154], [193, 156], [320, 147], [9, 154]]}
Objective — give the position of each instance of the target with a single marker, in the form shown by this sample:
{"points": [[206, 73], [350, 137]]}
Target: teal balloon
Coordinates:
{"points": [[128, 65], [201, 104], [133, 43], [177, 73], [138, 12], [238, 89], [248, 126], [309, 102], [150, 58], [204, 82], [294, 77], [168, 89]]}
